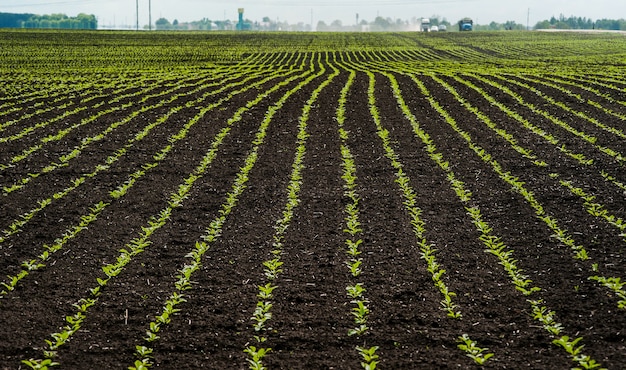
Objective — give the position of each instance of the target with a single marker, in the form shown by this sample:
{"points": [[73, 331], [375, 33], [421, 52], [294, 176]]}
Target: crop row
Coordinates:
{"points": [[500, 177]]}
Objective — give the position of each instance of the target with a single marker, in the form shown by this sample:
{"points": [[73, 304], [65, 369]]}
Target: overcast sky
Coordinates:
{"points": [[119, 12]]}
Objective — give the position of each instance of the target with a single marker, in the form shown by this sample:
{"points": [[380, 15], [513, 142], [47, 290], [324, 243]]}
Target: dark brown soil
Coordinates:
{"points": [[311, 311]]}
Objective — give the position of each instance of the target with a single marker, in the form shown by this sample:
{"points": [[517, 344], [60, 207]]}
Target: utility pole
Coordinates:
{"points": [[150, 15], [528, 20], [137, 15]]}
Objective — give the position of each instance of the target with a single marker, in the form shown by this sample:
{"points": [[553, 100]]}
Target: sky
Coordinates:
{"points": [[123, 12]]}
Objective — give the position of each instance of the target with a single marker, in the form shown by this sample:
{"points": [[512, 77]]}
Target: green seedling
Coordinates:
{"points": [[265, 292], [39, 364], [355, 266], [143, 351], [360, 312], [370, 358], [355, 291], [473, 351], [360, 330], [142, 364], [353, 247], [256, 355], [569, 346], [272, 268]]}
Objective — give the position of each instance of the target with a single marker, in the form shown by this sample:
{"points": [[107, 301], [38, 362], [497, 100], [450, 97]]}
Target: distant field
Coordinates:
{"points": [[312, 200]]}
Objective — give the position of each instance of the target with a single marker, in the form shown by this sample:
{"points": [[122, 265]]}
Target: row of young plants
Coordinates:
{"points": [[567, 108], [493, 243], [47, 101], [428, 252], [41, 109], [121, 190], [101, 109], [526, 123], [613, 283], [138, 245], [598, 210], [544, 135], [594, 208], [549, 138], [32, 123], [272, 267], [471, 348], [64, 160], [212, 233], [598, 95], [273, 59], [128, 92], [495, 246], [591, 139], [517, 185], [98, 137], [29, 117], [16, 226], [610, 91], [18, 88], [352, 229]]}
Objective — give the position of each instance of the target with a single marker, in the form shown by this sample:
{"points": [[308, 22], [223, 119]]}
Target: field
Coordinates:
{"points": [[318, 201]]}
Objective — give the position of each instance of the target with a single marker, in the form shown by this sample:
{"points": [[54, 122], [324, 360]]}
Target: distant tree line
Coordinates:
{"points": [[204, 24], [10, 20], [87, 21], [495, 26], [381, 24], [389, 24], [60, 21], [582, 23]]}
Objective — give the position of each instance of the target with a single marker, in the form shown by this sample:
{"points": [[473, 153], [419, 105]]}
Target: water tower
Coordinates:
{"points": [[240, 25]]}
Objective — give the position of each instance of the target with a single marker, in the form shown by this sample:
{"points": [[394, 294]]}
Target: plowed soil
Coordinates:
{"points": [[311, 313]]}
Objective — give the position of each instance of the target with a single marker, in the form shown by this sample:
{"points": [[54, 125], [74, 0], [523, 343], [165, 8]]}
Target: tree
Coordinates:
{"points": [[493, 26], [163, 24], [10, 20], [611, 24], [381, 23], [62, 21], [511, 25], [322, 26], [543, 25], [336, 25], [203, 24], [87, 21]]}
